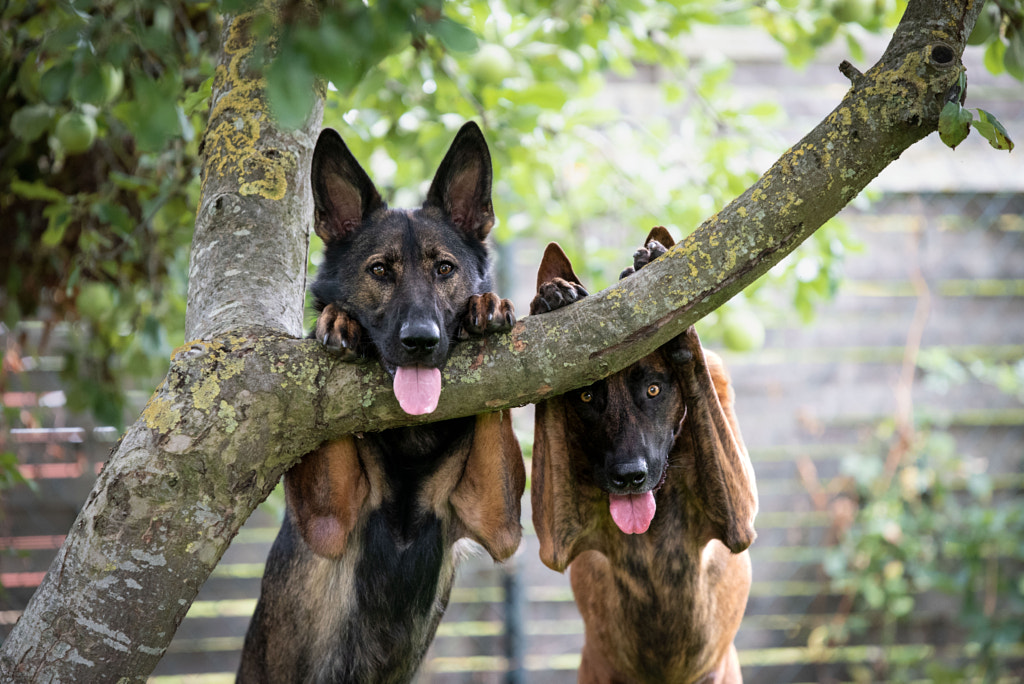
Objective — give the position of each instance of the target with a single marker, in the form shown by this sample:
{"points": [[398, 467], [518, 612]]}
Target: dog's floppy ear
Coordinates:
{"points": [[488, 497], [555, 264], [555, 492], [660, 234], [721, 477], [462, 185], [343, 195], [325, 493]]}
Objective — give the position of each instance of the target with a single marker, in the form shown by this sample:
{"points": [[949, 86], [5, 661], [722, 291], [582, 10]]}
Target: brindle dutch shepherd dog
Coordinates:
{"points": [[361, 571], [641, 482]]}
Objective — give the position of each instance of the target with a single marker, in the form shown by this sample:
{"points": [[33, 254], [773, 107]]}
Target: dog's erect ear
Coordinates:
{"points": [[555, 264], [660, 234], [556, 496], [488, 497], [343, 195], [721, 475], [462, 184], [325, 493]]}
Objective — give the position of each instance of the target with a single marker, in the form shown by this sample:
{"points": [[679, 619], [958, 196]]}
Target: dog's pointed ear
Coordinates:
{"points": [[555, 264], [462, 185], [325, 493], [488, 497], [555, 491], [721, 475], [343, 195], [660, 234]]}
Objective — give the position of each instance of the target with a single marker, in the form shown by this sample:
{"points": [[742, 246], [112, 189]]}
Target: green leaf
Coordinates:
{"points": [[986, 26], [152, 115], [544, 95], [993, 130], [290, 93], [55, 82], [88, 84], [901, 606], [994, 57], [954, 124], [198, 98], [454, 36], [32, 121], [37, 190], [113, 215], [1014, 57], [59, 219]]}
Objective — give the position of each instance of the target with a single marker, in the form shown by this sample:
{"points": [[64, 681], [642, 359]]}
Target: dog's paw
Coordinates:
{"points": [[336, 330], [488, 313], [643, 256], [556, 293]]}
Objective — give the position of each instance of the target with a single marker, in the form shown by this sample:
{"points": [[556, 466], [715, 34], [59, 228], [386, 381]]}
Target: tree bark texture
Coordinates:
{"points": [[248, 262], [246, 399]]}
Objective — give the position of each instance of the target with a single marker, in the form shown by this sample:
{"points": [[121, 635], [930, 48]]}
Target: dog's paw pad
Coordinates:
{"points": [[336, 330], [556, 293], [488, 313]]}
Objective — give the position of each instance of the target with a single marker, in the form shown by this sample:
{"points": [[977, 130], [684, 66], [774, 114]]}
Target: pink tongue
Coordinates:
{"points": [[633, 513], [417, 389]]}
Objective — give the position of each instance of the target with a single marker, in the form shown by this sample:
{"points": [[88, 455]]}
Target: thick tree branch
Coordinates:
{"points": [[235, 411]]}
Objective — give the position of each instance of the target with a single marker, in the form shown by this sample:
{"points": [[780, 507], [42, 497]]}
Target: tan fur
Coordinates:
{"points": [[487, 499], [328, 487], [482, 487]]}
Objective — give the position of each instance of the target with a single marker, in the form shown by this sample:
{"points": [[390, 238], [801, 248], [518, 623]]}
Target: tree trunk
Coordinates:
{"points": [[247, 400]]}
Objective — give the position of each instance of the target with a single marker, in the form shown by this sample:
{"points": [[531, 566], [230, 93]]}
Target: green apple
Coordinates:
{"points": [[491, 64], [76, 132], [94, 301]]}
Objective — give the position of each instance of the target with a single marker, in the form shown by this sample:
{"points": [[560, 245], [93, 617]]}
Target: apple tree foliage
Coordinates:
{"points": [[105, 102]]}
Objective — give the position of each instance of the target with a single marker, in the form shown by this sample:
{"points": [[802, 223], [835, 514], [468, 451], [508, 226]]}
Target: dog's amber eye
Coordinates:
{"points": [[653, 390], [586, 397], [445, 269], [378, 270]]}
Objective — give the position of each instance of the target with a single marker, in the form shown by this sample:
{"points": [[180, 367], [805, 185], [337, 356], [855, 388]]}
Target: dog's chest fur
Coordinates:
{"points": [[403, 564], [369, 616], [656, 578]]}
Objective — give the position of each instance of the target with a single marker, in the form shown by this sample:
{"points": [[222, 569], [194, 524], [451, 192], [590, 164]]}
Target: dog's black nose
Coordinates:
{"points": [[419, 336], [628, 475]]}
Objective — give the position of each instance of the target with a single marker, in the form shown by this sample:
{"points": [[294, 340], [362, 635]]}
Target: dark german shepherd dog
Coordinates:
{"points": [[362, 568], [641, 482]]}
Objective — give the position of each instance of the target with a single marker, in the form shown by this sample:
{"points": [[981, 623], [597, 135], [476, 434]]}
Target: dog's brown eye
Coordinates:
{"points": [[378, 270], [445, 269], [586, 397], [653, 390]]}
